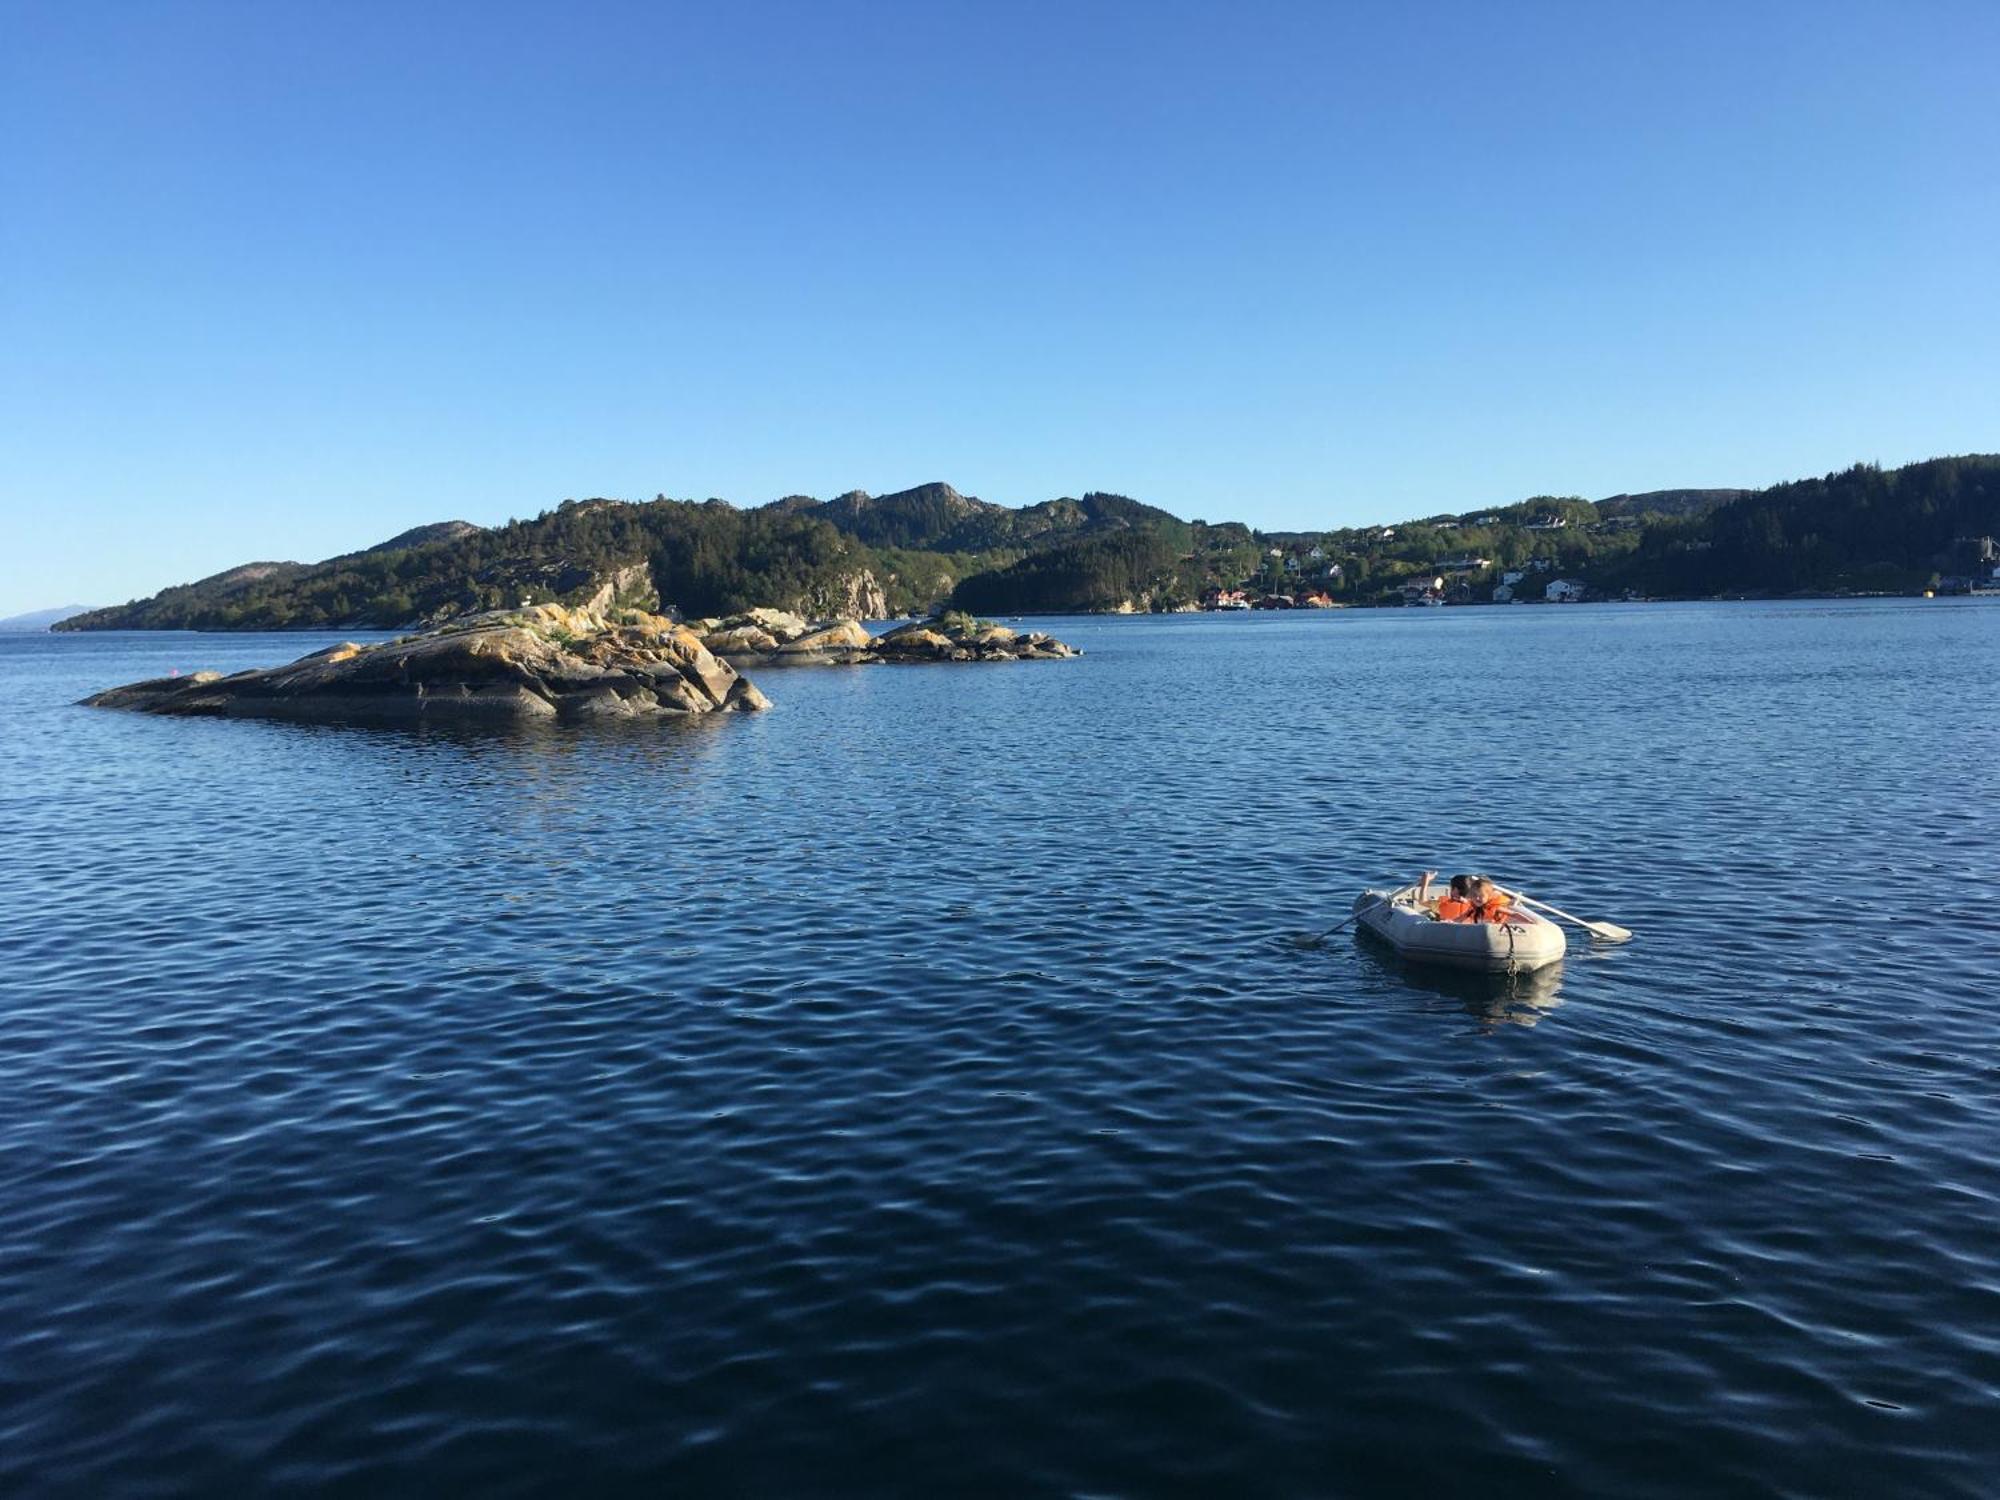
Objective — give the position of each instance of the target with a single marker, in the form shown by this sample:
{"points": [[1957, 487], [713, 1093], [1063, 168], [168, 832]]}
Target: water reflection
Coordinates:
{"points": [[1494, 1000], [532, 735], [529, 806]]}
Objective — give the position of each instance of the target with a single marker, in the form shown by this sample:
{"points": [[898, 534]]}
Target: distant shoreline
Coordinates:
{"points": [[1104, 614]]}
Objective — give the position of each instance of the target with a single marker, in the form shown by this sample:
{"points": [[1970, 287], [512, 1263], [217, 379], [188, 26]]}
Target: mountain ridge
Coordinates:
{"points": [[931, 544], [30, 620]]}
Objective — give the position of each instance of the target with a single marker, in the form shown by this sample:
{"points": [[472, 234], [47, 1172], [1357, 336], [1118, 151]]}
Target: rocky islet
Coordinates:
{"points": [[553, 662], [774, 637]]}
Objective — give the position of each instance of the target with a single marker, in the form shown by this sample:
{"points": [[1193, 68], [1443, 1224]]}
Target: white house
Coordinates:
{"points": [[1511, 577], [1563, 591]]}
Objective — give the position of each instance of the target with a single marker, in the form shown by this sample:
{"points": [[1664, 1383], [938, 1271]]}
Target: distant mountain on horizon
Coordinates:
{"points": [[857, 554], [43, 619], [875, 556], [935, 517]]}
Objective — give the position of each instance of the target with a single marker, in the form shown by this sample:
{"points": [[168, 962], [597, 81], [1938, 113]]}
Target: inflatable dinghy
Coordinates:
{"points": [[1522, 942]]}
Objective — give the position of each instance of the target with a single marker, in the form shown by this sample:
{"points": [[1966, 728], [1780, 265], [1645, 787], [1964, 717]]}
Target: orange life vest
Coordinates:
{"points": [[1454, 909]]}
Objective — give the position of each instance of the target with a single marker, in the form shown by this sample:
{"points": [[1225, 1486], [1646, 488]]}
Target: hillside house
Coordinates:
{"points": [[1564, 591]]}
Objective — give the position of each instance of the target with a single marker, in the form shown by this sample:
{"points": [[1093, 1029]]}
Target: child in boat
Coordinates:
{"points": [[1489, 902], [1457, 905], [1472, 898]]}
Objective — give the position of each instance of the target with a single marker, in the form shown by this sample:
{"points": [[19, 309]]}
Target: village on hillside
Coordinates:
{"points": [[1518, 558], [1548, 551]]}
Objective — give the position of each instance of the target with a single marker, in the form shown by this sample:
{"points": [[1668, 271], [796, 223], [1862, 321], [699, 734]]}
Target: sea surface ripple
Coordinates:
{"points": [[923, 1088]]}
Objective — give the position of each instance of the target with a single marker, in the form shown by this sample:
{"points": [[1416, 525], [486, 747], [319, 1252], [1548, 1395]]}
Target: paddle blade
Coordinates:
{"points": [[1609, 932]]}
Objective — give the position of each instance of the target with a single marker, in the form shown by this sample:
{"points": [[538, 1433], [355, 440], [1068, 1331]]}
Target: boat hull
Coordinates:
{"points": [[1523, 943]]}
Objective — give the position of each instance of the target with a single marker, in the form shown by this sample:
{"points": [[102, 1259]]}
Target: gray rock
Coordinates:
{"points": [[548, 662], [840, 636]]}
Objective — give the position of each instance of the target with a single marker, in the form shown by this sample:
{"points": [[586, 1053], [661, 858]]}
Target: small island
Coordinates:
{"points": [[550, 661], [777, 638]]}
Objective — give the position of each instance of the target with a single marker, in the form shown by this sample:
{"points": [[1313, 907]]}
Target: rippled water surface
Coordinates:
{"points": [[921, 1088]]}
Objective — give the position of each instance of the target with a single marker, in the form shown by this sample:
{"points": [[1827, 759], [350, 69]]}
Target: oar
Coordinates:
{"points": [[1371, 906], [1609, 932]]}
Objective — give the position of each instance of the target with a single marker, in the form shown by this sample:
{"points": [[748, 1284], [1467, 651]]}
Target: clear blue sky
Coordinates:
{"points": [[280, 279]]}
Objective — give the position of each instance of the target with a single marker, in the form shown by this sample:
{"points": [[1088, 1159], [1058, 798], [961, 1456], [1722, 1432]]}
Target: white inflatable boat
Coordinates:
{"points": [[1523, 942]]}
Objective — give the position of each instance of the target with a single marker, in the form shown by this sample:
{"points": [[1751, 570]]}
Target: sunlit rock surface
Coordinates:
{"points": [[544, 662], [770, 637]]}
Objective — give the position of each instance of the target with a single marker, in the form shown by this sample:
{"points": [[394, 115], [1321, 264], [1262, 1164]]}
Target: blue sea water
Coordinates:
{"points": [[922, 1088]]}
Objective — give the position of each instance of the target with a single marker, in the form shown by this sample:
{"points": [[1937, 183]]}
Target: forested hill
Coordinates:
{"points": [[1667, 502], [1864, 529], [937, 518], [1860, 529], [857, 554]]}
